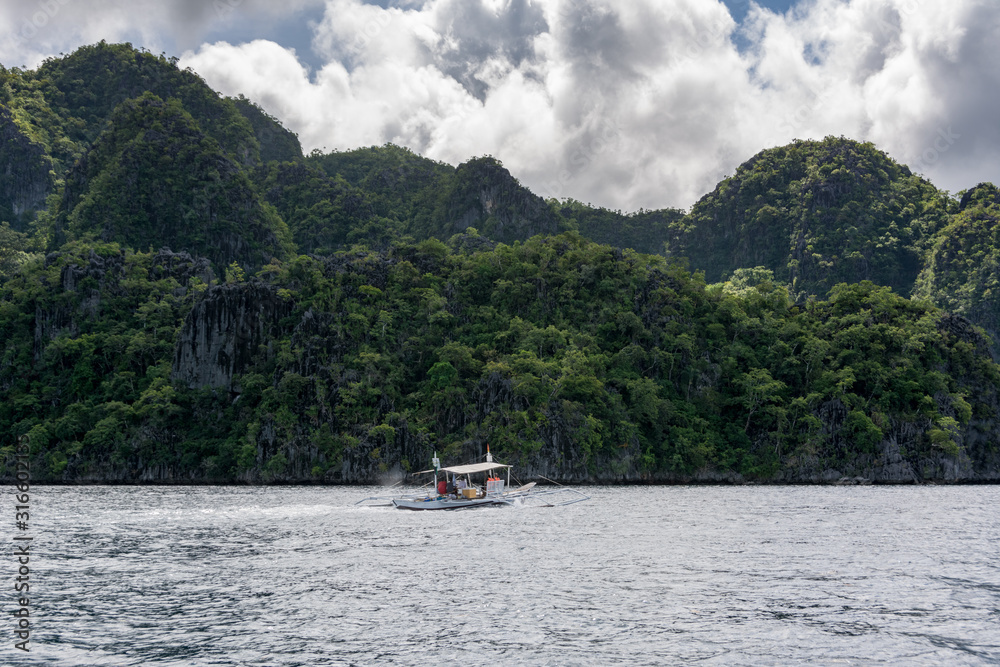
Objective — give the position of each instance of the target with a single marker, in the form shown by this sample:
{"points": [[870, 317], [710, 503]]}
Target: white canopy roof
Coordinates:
{"points": [[470, 468], [474, 467]]}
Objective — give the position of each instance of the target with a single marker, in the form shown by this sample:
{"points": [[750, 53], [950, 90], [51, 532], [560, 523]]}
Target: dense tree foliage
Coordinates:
{"points": [[185, 296], [276, 143], [645, 231], [324, 213], [15, 250], [154, 179], [962, 272], [817, 213], [567, 357]]}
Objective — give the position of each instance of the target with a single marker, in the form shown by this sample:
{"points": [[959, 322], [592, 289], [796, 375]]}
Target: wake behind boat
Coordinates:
{"points": [[462, 489]]}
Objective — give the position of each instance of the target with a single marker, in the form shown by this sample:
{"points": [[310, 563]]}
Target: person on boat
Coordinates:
{"points": [[450, 488], [460, 485]]}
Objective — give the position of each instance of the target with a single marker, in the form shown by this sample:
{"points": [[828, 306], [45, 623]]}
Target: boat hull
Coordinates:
{"points": [[526, 496], [446, 503]]}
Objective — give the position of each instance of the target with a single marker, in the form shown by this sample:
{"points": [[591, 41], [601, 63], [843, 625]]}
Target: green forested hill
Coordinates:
{"points": [[61, 108], [184, 296], [817, 213], [323, 213], [645, 231], [575, 360], [427, 199], [397, 176], [153, 179], [84, 88]]}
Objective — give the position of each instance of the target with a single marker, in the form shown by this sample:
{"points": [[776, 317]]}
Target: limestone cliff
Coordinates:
{"points": [[84, 285], [221, 335], [486, 196], [25, 179]]}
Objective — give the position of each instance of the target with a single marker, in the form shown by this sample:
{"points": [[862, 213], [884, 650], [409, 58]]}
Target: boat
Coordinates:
{"points": [[463, 491]]}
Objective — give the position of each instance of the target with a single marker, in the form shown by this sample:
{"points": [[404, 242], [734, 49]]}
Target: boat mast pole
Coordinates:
{"points": [[489, 474], [436, 462]]}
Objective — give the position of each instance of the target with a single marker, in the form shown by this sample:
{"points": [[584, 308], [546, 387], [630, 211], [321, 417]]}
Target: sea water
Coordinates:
{"points": [[637, 576]]}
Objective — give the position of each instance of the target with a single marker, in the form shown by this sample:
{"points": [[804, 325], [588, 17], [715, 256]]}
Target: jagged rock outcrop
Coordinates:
{"points": [[104, 273], [960, 272], [903, 458], [25, 179], [101, 276], [221, 334], [486, 196], [180, 266]]}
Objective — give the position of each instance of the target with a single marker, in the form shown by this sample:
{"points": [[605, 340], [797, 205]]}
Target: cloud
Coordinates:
{"points": [[627, 105], [914, 76], [592, 100], [32, 31]]}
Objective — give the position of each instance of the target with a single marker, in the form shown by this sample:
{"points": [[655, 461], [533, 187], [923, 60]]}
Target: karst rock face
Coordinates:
{"points": [[488, 197], [25, 179], [221, 335]]}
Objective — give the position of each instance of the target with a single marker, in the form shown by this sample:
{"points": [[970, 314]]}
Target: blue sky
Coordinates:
{"points": [[738, 8], [632, 104]]}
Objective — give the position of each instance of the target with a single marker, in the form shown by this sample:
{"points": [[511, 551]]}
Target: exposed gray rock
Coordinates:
{"points": [[25, 178], [180, 266], [489, 198], [221, 335]]}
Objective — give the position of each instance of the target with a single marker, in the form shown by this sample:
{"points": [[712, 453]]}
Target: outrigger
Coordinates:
{"points": [[462, 492]]}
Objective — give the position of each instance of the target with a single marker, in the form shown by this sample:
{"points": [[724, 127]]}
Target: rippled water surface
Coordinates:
{"points": [[637, 576]]}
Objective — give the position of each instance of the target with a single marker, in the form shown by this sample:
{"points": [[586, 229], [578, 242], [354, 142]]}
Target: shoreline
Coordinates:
{"points": [[310, 483]]}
